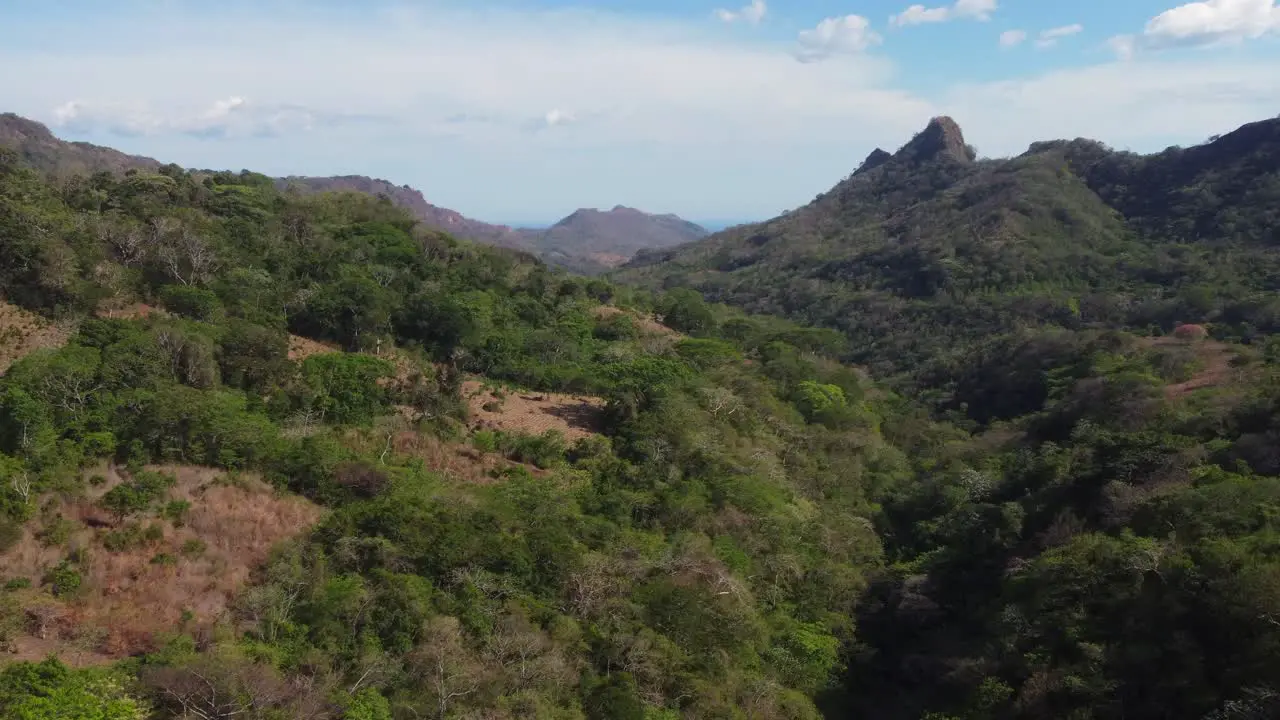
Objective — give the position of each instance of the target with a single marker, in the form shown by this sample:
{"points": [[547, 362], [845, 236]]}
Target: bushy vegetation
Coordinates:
{"points": [[704, 556], [1063, 512]]}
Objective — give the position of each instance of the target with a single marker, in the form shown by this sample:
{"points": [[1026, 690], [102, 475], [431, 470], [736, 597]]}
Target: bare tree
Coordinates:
{"points": [[183, 254], [220, 688], [128, 242], [449, 670], [21, 484]]}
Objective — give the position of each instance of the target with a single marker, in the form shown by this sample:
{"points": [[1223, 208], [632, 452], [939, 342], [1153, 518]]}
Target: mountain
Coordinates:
{"points": [[925, 252], [596, 239], [587, 241], [267, 453], [433, 216], [38, 147]]}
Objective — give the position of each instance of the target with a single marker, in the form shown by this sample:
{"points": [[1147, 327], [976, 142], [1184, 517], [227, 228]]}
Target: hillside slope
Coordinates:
{"points": [[587, 241], [929, 246]]}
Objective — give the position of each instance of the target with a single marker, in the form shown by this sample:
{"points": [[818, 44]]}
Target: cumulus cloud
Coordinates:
{"points": [[752, 13], [1049, 38], [1202, 24], [848, 35], [960, 10], [1012, 38]]}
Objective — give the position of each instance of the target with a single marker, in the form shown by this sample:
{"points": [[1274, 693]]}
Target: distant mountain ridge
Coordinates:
{"points": [[588, 240], [611, 237]]}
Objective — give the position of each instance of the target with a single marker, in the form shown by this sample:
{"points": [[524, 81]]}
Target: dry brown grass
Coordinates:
{"points": [[647, 323], [128, 598], [456, 462], [23, 332], [301, 348], [577, 416]]}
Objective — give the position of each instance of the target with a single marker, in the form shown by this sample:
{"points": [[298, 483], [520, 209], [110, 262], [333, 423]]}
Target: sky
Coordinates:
{"points": [[520, 111]]}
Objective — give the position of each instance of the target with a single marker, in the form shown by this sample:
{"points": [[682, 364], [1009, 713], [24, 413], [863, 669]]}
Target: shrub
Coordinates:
{"points": [[132, 536], [361, 479], [19, 583], [345, 387], [176, 512], [485, 441], [191, 302], [64, 579], [56, 531], [193, 548], [137, 495], [544, 451]]}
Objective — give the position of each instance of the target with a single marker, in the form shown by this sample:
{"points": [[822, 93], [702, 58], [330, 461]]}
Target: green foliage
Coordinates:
{"points": [[63, 579], [345, 388], [50, 690], [368, 704], [137, 494], [191, 302], [1044, 507]]}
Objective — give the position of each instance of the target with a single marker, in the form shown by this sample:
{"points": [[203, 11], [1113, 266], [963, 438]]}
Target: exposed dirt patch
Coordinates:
{"points": [[577, 416], [647, 323], [128, 311], [301, 348], [23, 332], [186, 577], [1215, 358]]}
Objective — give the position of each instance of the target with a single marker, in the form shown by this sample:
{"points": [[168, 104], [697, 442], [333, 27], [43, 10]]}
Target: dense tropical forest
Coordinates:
{"points": [[260, 459]]}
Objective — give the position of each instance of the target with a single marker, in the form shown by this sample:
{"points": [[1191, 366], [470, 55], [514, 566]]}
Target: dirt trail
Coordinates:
{"points": [[1216, 357]]}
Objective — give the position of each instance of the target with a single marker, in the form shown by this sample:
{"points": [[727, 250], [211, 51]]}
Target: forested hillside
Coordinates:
{"points": [[587, 241], [1102, 323], [277, 455], [925, 254], [698, 551]]}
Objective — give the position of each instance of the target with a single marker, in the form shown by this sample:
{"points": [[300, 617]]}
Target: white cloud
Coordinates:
{"points": [[1144, 105], [752, 13], [704, 125], [231, 117], [1012, 38], [558, 117], [1123, 46], [1202, 24], [960, 10], [1049, 38], [1214, 21], [848, 35]]}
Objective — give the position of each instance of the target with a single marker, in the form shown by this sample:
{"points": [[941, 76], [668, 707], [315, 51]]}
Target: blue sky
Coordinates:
{"points": [[523, 110]]}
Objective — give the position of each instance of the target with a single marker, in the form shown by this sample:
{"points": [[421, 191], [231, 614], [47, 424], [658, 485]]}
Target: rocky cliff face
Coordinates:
{"points": [[941, 139]]}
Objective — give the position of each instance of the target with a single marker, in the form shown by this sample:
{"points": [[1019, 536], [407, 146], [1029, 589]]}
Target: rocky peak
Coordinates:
{"points": [[941, 138], [877, 158]]}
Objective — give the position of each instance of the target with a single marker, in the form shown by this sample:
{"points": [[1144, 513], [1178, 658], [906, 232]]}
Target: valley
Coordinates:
{"points": [[963, 438]]}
